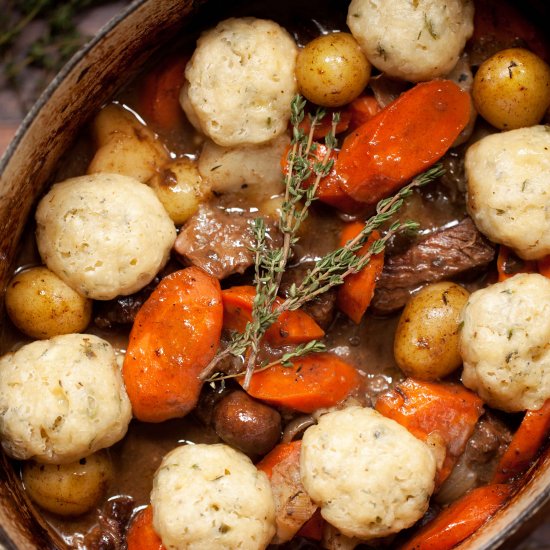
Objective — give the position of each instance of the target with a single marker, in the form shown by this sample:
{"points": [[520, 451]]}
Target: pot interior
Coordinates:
{"points": [[104, 67]]}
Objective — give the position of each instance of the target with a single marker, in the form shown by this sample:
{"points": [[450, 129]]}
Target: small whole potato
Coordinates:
{"points": [[41, 305], [246, 424], [180, 189], [512, 89], [125, 146], [332, 70], [68, 489], [427, 336]]}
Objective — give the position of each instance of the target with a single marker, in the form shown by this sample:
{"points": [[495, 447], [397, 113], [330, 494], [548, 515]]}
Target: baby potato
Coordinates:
{"points": [[180, 189], [512, 89], [426, 339], [68, 489], [41, 305], [332, 70], [125, 145]]}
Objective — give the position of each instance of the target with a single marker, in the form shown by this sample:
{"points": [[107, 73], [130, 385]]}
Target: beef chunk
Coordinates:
{"points": [[477, 464], [122, 310], [323, 307], [443, 254], [109, 533], [490, 439], [219, 241]]}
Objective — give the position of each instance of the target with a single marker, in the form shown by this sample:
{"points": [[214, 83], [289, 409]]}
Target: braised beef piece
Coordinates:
{"points": [[477, 464], [490, 439], [110, 533], [323, 307], [122, 310], [442, 255], [219, 240]]}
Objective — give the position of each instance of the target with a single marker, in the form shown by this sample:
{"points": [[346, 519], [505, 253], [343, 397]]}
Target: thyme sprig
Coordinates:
{"points": [[329, 271], [332, 269], [303, 165]]}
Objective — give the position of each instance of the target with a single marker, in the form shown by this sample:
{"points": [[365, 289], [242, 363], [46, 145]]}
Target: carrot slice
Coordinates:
{"points": [[330, 189], [159, 98], [312, 382], [544, 266], [508, 264], [355, 295], [402, 140], [141, 535], [424, 408], [324, 126], [525, 444], [291, 327], [175, 334], [279, 453], [362, 109], [460, 519]]}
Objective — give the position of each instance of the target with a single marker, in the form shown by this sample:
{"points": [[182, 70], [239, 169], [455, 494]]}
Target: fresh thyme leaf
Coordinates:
{"points": [[314, 346]]}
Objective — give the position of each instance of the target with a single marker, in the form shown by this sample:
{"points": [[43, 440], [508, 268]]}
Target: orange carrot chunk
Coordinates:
{"points": [[291, 327], [443, 408], [460, 519], [355, 295], [324, 126], [362, 109], [175, 335], [402, 140], [312, 382], [141, 535], [525, 444], [508, 264], [279, 453], [331, 191], [330, 188], [159, 96]]}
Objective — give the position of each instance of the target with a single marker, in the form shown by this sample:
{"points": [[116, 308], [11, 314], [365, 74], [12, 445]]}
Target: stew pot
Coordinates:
{"points": [[90, 78]]}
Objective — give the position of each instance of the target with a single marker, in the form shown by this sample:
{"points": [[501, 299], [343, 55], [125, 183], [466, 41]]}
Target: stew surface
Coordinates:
{"points": [[446, 246]]}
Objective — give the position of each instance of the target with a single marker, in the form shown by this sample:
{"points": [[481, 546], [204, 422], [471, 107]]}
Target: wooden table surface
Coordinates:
{"points": [[12, 112]]}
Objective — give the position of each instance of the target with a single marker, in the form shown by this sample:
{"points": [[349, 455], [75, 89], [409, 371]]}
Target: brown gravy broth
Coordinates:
{"points": [[368, 346]]}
